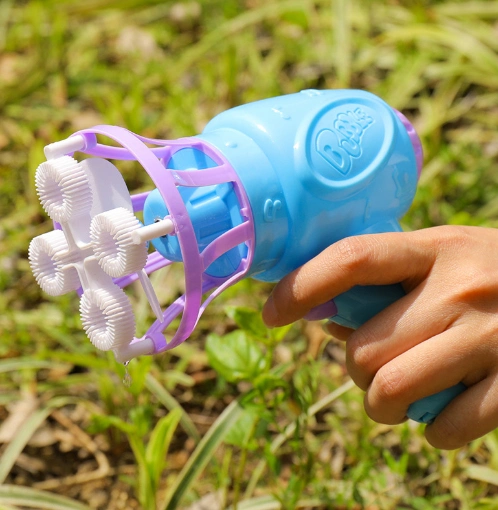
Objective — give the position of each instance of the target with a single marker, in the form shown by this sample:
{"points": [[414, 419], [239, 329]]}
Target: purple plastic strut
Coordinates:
{"points": [[166, 181], [414, 138]]}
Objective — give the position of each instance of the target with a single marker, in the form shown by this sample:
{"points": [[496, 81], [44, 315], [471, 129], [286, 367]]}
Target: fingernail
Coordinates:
{"points": [[323, 311]]}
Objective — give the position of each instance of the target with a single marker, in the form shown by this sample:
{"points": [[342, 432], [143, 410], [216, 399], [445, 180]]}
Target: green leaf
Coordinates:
{"points": [[278, 334], [142, 417], [101, 422], [243, 430], [248, 320], [268, 381], [235, 356]]}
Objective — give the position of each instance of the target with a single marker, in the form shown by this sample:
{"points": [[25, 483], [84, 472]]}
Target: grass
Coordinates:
{"points": [[287, 431]]}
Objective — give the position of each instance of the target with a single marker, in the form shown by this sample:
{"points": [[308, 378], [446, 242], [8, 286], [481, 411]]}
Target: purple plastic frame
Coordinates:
{"points": [[197, 282]]}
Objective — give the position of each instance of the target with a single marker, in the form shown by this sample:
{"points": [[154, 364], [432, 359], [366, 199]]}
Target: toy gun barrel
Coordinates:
{"points": [[265, 188]]}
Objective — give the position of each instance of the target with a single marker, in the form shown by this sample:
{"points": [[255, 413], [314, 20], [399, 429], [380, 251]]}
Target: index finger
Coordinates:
{"points": [[371, 259]]}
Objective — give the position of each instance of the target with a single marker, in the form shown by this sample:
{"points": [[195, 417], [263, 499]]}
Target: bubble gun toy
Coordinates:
{"points": [[265, 188]]}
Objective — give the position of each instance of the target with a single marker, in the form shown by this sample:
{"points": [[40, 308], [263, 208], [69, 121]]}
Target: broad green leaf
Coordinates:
{"points": [[248, 320], [235, 356], [242, 431], [278, 334]]}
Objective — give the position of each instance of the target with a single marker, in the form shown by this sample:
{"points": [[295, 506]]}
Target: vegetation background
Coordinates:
{"points": [[282, 426]]}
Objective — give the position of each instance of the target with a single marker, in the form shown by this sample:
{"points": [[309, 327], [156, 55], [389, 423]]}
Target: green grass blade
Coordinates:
{"points": [[259, 503], [16, 446], [5, 9], [170, 403], [233, 26], [158, 446], [482, 474], [482, 9], [281, 438], [202, 454], [32, 498], [16, 364], [481, 56], [271, 503], [342, 29]]}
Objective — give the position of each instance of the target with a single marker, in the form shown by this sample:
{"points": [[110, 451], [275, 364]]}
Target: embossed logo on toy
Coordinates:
{"points": [[341, 143]]}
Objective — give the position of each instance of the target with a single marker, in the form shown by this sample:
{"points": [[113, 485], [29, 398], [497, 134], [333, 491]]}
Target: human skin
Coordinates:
{"points": [[445, 330]]}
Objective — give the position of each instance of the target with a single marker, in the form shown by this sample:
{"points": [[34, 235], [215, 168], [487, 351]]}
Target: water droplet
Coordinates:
{"points": [[127, 377]]}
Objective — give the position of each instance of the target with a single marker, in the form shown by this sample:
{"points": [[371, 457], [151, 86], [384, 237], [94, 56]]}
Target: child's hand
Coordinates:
{"points": [[445, 330]]}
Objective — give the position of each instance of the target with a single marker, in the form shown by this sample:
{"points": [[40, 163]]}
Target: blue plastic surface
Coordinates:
{"points": [[427, 409], [317, 166], [213, 210]]}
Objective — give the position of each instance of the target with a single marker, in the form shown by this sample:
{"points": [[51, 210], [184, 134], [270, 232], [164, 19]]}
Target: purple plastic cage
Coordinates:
{"points": [[197, 283]]}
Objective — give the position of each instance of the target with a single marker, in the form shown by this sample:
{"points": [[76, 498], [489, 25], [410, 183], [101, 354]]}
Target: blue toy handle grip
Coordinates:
{"points": [[360, 304]]}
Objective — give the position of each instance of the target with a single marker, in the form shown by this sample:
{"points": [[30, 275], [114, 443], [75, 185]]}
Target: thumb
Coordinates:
{"points": [[373, 259]]}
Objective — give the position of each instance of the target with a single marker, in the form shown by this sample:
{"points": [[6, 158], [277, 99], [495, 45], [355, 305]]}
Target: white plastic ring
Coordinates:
{"points": [[111, 235], [50, 265], [107, 317], [63, 188]]}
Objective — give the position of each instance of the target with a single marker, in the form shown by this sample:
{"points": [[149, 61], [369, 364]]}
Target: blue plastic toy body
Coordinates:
{"points": [[317, 166], [287, 177]]}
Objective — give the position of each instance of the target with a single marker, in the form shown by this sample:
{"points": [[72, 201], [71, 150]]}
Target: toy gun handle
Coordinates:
{"points": [[360, 304]]}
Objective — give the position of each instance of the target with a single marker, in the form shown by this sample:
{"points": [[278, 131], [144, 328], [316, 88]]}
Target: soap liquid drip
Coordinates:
{"points": [[127, 377]]}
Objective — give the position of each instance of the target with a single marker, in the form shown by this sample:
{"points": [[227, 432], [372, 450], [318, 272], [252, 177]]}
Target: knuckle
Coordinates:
{"points": [[358, 352], [390, 383], [353, 253], [472, 285], [451, 237]]}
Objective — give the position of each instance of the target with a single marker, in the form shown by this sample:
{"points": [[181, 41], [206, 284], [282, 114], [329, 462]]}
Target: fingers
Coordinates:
{"points": [[404, 324], [427, 368], [471, 415], [375, 259]]}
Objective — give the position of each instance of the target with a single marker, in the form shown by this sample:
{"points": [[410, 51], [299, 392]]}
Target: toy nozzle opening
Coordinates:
{"points": [[48, 258], [63, 189], [113, 243], [107, 317]]}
